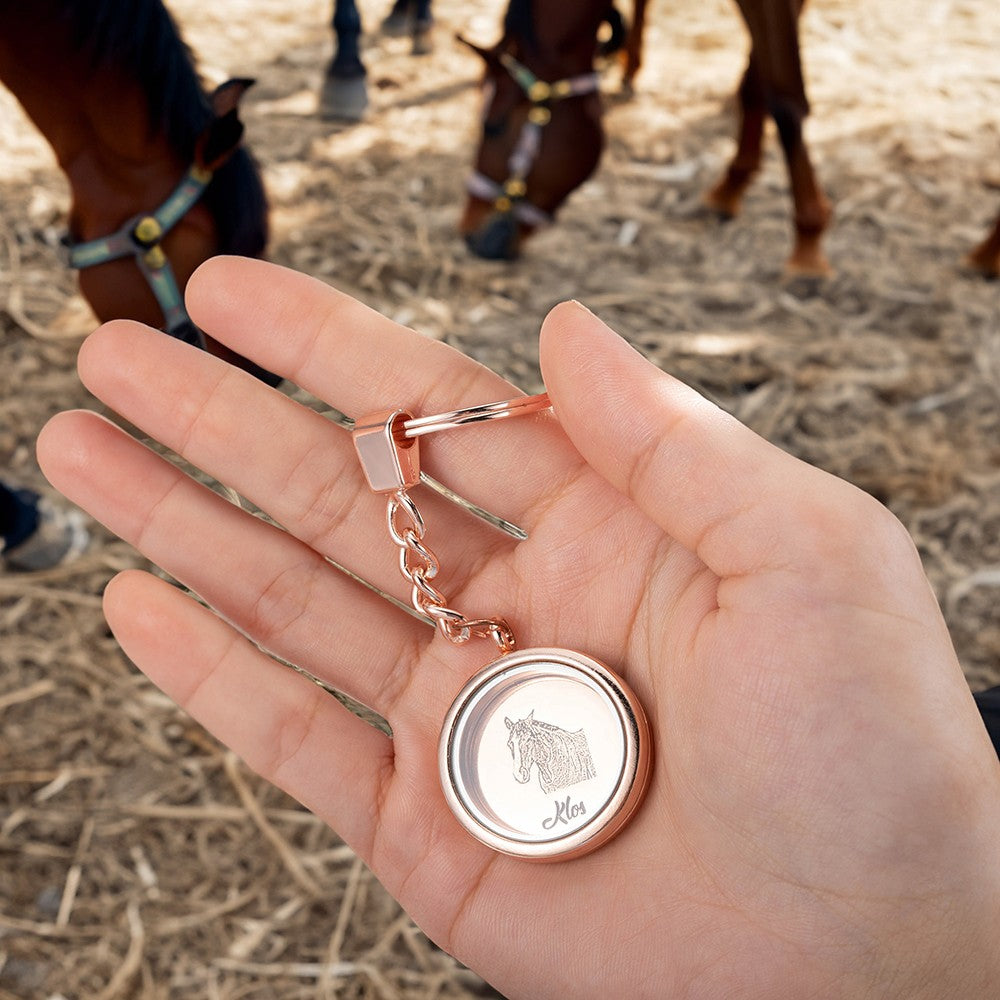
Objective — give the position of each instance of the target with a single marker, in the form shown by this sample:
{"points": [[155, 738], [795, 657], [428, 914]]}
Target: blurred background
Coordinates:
{"points": [[138, 859]]}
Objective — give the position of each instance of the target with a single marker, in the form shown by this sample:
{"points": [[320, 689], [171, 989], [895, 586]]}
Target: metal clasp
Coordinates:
{"points": [[390, 460], [387, 446]]}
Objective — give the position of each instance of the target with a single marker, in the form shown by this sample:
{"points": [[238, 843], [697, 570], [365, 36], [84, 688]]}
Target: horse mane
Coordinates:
{"points": [[547, 725], [142, 40], [549, 728]]}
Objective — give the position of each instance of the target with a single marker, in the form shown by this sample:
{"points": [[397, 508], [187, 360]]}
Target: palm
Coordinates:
{"points": [[764, 662], [728, 716]]}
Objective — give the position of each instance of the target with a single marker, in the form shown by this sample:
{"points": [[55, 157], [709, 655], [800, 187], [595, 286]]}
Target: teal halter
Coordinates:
{"points": [[141, 238]]}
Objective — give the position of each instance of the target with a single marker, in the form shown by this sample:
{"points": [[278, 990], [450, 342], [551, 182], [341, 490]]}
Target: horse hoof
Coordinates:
{"points": [[722, 204], [982, 265], [396, 24], [343, 98], [814, 269]]}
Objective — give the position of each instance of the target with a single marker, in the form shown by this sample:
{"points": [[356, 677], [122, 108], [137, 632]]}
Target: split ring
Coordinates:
{"points": [[416, 426]]}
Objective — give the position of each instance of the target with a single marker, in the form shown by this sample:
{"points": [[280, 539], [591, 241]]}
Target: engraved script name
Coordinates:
{"points": [[565, 811]]}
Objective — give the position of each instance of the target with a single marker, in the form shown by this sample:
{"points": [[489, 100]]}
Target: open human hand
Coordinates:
{"points": [[823, 814]]}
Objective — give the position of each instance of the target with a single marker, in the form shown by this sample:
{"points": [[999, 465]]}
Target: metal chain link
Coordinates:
{"points": [[419, 565]]}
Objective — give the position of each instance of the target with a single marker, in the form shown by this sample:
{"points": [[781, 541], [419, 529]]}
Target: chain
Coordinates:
{"points": [[419, 565]]}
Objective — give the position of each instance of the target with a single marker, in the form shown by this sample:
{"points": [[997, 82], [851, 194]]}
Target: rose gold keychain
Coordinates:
{"points": [[545, 753]]}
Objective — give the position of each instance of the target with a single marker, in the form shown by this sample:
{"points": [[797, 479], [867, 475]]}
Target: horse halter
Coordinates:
{"points": [[509, 196], [141, 237]]}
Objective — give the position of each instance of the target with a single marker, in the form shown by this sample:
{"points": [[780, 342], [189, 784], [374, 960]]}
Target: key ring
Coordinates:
{"points": [[545, 788], [520, 406]]}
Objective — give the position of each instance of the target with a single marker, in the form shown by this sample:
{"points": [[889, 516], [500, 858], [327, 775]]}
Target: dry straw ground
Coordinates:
{"points": [[138, 859]]}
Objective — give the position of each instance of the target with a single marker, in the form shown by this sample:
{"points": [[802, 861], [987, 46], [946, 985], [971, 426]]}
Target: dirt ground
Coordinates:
{"points": [[137, 858]]}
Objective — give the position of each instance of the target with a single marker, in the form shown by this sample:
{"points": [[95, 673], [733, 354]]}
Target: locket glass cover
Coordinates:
{"points": [[545, 754]]}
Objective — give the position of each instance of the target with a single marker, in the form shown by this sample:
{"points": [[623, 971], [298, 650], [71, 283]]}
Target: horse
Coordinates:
{"points": [[158, 178], [561, 756], [542, 135], [344, 94]]}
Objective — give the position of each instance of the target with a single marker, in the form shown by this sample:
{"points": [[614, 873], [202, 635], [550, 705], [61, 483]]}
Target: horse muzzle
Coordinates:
{"points": [[497, 238]]}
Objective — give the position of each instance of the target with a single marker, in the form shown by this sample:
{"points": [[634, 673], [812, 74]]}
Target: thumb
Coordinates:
{"points": [[740, 503]]}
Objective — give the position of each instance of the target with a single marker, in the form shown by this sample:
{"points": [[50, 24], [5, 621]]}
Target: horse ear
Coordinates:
{"points": [[614, 40], [226, 97], [531, 716], [510, 725], [488, 56], [223, 133]]}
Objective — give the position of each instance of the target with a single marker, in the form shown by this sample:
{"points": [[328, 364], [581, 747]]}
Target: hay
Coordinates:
{"points": [[137, 857]]}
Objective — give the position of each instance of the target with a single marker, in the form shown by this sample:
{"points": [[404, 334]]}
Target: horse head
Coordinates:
{"points": [[521, 743], [542, 135]]}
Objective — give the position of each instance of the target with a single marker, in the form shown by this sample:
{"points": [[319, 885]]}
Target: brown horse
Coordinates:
{"points": [[542, 135], [157, 178]]}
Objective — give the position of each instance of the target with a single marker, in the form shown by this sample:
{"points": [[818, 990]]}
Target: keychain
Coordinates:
{"points": [[545, 753]]}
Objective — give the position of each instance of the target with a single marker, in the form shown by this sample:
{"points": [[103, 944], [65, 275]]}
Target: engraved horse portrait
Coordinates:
{"points": [[562, 757]]}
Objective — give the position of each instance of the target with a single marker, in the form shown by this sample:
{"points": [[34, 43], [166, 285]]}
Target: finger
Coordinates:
{"points": [[361, 362], [328, 342], [723, 492], [381, 795], [287, 728], [285, 458], [271, 586]]}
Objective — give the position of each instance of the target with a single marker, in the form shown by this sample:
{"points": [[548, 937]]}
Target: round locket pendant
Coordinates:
{"points": [[545, 754]]}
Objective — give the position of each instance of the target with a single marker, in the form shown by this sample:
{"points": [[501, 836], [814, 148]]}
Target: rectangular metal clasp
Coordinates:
{"points": [[390, 460]]}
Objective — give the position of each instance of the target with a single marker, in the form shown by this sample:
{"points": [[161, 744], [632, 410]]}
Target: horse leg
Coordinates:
{"points": [[344, 95], [412, 18], [633, 46], [726, 197], [422, 24], [396, 24], [812, 208], [985, 258], [775, 49]]}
